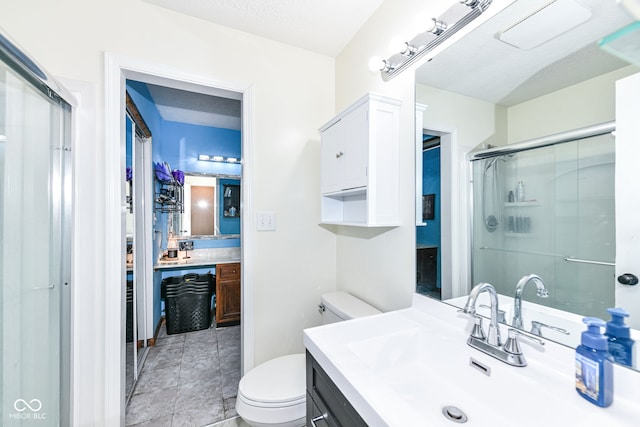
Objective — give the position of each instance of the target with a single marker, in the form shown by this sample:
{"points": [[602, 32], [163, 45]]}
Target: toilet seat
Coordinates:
{"points": [[274, 392]]}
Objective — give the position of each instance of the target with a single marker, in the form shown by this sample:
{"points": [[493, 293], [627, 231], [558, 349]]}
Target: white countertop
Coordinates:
{"points": [[200, 258], [401, 368]]}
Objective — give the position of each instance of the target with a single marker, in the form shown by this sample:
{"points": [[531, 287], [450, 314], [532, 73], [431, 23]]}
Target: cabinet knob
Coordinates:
{"points": [[339, 154], [628, 279]]}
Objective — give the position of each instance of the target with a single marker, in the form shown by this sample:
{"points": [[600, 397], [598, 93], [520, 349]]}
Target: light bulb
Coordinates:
{"points": [[398, 45], [437, 27], [420, 21], [377, 64]]}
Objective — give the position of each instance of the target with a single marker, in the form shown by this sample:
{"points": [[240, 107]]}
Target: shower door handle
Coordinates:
{"points": [[628, 279]]}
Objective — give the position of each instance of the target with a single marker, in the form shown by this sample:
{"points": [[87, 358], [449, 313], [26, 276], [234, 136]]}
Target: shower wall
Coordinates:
{"points": [[565, 217]]}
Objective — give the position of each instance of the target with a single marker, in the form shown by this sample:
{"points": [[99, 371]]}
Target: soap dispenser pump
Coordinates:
{"points": [[594, 365], [619, 337]]}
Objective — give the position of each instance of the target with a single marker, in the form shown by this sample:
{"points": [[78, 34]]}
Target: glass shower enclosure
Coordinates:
{"points": [[35, 264], [547, 207]]}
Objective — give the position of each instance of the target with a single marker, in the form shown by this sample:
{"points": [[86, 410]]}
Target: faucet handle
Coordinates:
{"points": [[512, 345], [529, 337], [477, 331], [536, 328]]}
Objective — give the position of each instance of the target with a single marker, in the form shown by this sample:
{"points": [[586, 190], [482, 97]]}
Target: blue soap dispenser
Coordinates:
{"points": [[594, 365], [619, 337]]}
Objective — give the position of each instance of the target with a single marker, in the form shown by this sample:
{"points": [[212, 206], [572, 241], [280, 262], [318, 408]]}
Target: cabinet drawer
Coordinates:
{"points": [[227, 271]]}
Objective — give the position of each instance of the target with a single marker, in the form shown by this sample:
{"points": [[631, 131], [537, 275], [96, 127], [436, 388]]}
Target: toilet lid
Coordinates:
{"points": [[280, 380]]}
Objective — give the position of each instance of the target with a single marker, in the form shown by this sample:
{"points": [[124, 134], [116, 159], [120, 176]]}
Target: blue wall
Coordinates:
{"points": [[179, 145], [430, 235], [129, 139]]}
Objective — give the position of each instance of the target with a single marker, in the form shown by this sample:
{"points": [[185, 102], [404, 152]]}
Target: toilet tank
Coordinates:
{"points": [[339, 306]]}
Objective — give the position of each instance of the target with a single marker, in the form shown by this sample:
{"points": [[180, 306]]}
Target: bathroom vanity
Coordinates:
{"points": [[414, 367], [226, 262]]}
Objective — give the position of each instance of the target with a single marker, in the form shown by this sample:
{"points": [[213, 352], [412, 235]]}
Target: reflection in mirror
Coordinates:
{"points": [[487, 90], [211, 207]]}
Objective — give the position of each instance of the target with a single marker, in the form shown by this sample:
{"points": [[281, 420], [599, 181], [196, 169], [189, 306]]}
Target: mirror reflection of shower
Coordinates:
{"points": [[492, 183], [547, 207]]}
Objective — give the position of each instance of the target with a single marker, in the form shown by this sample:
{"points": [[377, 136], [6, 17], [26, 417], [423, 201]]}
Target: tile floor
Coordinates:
{"points": [[188, 379]]}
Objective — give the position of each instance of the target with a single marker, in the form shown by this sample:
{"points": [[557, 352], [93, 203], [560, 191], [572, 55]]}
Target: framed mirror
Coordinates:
{"points": [[211, 207]]}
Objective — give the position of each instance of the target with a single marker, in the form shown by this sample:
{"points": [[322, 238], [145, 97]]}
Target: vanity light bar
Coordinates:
{"points": [[220, 159], [439, 30]]}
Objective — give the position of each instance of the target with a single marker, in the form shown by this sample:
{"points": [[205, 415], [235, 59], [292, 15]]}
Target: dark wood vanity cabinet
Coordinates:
{"points": [[326, 405], [227, 293]]}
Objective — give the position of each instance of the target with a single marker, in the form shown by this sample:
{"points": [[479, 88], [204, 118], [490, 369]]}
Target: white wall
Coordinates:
{"points": [[379, 267], [293, 93], [468, 123], [584, 104]]}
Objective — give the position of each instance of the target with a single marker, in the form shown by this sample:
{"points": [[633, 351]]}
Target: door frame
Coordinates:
{"points": [[626, 200], [119, 68], [454, 231]]}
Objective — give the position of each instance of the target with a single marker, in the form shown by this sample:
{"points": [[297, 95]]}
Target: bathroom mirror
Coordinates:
{"points": [[211, 207], [489, 89]]}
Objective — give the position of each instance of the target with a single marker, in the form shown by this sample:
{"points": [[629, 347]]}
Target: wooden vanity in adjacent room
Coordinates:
{"points": [[228, 293], [226, 262]]}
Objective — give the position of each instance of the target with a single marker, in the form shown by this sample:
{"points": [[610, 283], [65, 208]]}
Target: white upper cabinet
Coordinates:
{"points": [[344, 152], [359, 164]]}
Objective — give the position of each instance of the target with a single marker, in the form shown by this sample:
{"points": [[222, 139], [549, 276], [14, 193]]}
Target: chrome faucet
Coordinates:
{"points": [[491, 344], [493, 335], [517, 300]]}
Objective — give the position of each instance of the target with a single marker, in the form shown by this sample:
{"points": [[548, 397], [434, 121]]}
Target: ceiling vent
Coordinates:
{"points": [[544, 24]]}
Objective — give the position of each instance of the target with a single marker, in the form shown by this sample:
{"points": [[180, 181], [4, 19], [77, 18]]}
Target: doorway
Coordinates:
{"points": [[193, 365], [449, 258], [118, 70], [428, 234]]}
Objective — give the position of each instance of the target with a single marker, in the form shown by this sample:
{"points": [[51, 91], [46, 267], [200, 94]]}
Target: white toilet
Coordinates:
{"points": [[274, 393]]}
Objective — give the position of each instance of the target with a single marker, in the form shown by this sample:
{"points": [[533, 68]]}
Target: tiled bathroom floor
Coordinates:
{"points": [[188, 379]]}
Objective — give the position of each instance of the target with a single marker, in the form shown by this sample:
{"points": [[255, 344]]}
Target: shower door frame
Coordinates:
{"points": [[61, 178]]}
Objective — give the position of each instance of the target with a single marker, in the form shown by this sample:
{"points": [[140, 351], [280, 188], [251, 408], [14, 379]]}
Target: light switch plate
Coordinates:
{"points": [[265, 221]]}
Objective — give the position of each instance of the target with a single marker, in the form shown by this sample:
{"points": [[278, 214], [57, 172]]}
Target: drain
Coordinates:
{"points": [[454, 414]]}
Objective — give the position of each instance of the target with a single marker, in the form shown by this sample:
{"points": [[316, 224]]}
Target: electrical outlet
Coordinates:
{"points": [[265, 221]]}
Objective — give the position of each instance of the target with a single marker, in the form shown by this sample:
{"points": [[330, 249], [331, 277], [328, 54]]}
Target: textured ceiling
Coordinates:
{"points": [[320, 26]]}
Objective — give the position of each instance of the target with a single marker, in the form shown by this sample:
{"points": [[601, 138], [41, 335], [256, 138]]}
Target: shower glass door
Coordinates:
{"points": [[549, 211], [35, 260]]}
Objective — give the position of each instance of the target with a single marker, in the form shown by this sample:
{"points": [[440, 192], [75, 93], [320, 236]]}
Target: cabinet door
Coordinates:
{"points": [[228, 293], [326, 405], [330, 154], [344, 157], [352, 164]]}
